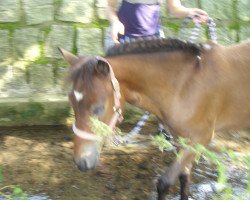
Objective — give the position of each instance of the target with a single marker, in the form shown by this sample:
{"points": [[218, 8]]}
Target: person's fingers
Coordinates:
{"points": [[115, 34], [201, 12], [198, 18], [117, 27], [115, 37], [116, 41], [121, 28], [198, 15]]}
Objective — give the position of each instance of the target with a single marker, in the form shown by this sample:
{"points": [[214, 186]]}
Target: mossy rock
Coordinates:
{"points": [[34, 111]]}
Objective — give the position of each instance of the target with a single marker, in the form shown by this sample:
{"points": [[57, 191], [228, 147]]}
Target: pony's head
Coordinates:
{"points": [[94, 93]]}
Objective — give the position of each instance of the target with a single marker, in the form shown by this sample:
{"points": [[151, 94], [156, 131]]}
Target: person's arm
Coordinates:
{"points": [[116, 25], [177, 10], [111, 10]]}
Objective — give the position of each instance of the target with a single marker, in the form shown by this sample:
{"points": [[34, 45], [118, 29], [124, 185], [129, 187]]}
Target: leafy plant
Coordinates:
{"points": [[12, 192], [226, 192], [99, 128], [1, 176], [212, 157], [162, 143]]}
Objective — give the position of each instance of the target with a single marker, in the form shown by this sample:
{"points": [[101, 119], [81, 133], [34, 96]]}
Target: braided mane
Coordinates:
{"points": [[137, 46], [152, 45]]}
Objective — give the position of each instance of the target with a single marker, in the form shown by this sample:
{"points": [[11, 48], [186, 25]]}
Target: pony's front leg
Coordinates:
{"points": [[184, 179], [177, 169]]}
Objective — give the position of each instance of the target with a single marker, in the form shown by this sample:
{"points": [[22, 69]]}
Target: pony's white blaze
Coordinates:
{"points": [[78, 95]]}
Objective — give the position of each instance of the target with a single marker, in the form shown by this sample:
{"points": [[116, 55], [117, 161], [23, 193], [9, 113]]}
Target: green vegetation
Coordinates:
{"points": [[11, 26], [100, 128], [227, 191], [34, 110], [1, 176], [11, 192], [161, 142], [229, 156]]}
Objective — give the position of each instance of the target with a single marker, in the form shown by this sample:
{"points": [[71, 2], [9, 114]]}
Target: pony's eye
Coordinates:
{"points": [[98, 110]]}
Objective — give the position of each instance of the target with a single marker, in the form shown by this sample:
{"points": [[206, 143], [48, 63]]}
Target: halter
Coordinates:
{"points": [[117, 116]]}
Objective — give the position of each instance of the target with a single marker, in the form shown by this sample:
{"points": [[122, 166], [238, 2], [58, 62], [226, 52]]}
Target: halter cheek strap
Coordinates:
{"points": [[117, 116]]}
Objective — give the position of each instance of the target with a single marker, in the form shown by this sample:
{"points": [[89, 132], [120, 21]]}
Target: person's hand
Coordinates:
{"points": [[117, 27], [198, 15]]}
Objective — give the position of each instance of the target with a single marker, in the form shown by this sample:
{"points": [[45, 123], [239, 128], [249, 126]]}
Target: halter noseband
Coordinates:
{"points": [[117, 116]]}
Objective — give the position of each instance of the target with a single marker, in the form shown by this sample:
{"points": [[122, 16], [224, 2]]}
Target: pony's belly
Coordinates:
{"points": [[235, 123]]}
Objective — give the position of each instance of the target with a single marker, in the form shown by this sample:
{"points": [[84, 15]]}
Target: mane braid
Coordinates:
{"points": [[153, 45]]}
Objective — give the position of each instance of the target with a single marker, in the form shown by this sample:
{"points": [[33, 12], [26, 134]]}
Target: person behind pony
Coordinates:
{"points": [[141, 18]]}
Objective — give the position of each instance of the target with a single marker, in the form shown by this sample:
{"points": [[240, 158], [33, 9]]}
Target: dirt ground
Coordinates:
{"points": [[39, 159]]}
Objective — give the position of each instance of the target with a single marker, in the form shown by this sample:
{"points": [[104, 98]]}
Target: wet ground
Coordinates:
{"points": [[39, 159]]}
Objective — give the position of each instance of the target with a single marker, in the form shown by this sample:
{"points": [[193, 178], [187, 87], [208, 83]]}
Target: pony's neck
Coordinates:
{"points": [[142, 78]]}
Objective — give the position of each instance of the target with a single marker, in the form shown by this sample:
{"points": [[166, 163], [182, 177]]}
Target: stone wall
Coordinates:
{"points": [[31, 68]]}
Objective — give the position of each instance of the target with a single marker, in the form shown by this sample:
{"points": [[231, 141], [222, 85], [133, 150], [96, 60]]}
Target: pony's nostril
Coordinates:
{"points": [[82, 165]]}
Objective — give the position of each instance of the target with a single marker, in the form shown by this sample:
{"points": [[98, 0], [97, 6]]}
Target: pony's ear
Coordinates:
{"points": [[69, 57], [102, 66]]}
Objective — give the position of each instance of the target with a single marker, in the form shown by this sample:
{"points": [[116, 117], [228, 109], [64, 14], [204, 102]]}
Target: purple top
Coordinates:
{"points": [[140, 20]]}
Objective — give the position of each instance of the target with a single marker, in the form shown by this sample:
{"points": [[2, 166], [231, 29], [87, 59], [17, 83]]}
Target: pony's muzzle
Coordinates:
{"points": [[88, 157], [83, 165]]}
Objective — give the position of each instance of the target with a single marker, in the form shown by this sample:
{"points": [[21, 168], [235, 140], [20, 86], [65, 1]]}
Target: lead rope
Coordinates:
{"points": [[195, 32], [197, 29], [212, 29], [194, 35], [136, 130]]}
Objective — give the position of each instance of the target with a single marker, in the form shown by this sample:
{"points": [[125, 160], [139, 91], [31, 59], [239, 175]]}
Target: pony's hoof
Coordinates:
{"points": [[184, 198], [162, 188]]}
